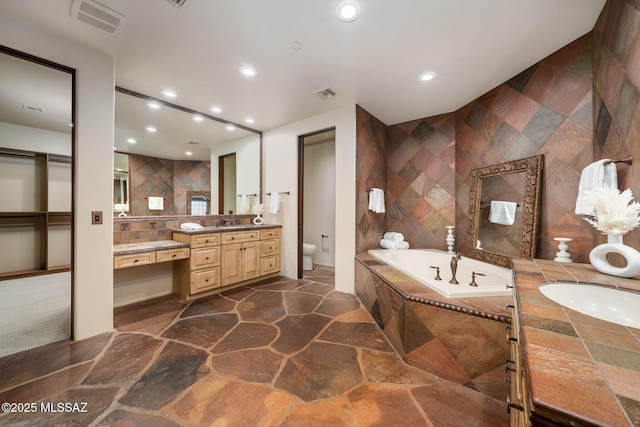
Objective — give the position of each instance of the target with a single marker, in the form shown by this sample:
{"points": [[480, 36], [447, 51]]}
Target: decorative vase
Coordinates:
{"points": [[598, 257], [258, 220]]}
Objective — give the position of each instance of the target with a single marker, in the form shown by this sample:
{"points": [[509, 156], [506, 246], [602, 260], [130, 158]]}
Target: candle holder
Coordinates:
{"points": [[563, 255], [450, 239]]}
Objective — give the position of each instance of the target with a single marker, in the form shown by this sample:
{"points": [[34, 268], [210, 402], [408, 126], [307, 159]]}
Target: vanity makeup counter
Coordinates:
{"points": [[142, 253], [570, 369]]}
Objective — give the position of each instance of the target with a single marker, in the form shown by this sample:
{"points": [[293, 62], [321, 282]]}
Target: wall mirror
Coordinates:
{"points": [[504, 207], [172, 153]]}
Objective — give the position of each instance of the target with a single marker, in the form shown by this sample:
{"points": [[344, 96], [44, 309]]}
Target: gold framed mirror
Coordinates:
{"points": [[504, 208]]}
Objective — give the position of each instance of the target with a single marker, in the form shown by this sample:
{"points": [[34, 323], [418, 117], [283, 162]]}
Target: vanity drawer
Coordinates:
{"points": [[239, 236], [172, 254], [203, 258], [202, 240], [269, 265], [133, 260], [203, 280], [269, 247], [270, 233]]}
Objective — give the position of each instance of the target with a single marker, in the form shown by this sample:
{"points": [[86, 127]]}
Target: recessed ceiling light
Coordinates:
{"points": [[188, 153], [249, 120], [248, 71], [296, 45], [216, 109], [425, 77], [169, 93], [151, 129], [198, 118], [348, 10], [131, 140], [153, 105], [230, 127]]}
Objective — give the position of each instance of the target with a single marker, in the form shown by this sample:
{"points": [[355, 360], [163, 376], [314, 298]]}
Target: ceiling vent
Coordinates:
{"points": [[326, 93], [180, 4], [98, 16]]}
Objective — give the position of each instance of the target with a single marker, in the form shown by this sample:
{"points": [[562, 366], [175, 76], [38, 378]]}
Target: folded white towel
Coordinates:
{"points": [[376, 200], [156, 203], [390, 244], [595, 175], [394, 236], [502, 212], [275, 203]]}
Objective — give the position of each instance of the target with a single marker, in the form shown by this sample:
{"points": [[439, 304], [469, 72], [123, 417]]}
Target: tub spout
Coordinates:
{"points": [[454, 267]]}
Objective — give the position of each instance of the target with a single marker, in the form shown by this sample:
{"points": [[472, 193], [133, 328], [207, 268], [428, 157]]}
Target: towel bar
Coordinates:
{"points": [[627, 160]]}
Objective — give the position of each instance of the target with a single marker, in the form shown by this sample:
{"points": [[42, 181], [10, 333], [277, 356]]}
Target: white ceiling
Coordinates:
{"points": [[472, 45]]}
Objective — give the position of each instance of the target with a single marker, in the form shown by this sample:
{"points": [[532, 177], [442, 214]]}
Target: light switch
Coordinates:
{"points": [[96, 217]]}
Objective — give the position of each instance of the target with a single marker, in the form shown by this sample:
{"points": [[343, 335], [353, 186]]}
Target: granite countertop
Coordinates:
{"points": [[131, 248], [221, 229], [494, 308], [580, 370]]}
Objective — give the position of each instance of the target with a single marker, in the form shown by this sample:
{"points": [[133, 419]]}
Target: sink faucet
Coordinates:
{"points": [[454, 267], [227, 222]]}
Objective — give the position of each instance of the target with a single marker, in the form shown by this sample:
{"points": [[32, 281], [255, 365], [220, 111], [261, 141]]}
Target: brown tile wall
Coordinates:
{"points": [[421, 180], [616, 59], [171, 179], [547, 109], [371, 171]]}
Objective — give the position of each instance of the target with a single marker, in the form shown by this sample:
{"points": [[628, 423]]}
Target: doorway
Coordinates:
{"points": [[36, 189], [316, 197]]}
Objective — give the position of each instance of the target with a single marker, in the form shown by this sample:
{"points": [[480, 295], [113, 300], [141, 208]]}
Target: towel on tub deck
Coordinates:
{"points": [[502, 212], [393, 236], [390, 244]]}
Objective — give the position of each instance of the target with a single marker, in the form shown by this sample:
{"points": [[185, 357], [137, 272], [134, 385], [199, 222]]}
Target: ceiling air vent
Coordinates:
{"points": [[326, 93], [180, 4], [98, 16]]}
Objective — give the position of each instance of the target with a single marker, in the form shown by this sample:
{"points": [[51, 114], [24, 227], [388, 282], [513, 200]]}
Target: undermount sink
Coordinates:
{"points": [[602, 302]]}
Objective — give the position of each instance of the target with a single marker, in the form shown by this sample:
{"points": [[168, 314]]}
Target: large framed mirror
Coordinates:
{"points": [[172, 152], [504, 208]]}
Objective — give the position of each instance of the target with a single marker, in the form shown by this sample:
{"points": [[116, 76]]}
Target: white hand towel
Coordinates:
{"points": [[275, 203], [390, 244], [156, 203], [502, 212], [392, 235], [595, 175], [376, 200], [244, 204]]}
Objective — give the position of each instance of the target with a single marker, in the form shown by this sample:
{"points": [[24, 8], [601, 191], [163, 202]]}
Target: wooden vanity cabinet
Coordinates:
{"points": [[226, 258], [201, 272]]}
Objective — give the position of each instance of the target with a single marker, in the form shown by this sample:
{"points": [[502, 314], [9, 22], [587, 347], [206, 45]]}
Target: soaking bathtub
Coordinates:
{"points": [[417, 263]]}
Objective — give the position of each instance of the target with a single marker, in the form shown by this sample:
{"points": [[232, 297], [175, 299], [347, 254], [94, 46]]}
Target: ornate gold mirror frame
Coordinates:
{"points": [[527, 173]]}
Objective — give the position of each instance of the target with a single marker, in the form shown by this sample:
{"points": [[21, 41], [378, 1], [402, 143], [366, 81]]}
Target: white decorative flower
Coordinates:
{"points": [[258, 209], [614, 211]]}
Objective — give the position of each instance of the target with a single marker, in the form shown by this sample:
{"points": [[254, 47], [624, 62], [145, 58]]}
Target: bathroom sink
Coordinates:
{"points": [[602, 302]]}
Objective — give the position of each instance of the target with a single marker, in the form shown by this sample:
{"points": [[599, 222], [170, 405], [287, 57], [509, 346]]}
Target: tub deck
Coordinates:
{"points": [[490, 307]]}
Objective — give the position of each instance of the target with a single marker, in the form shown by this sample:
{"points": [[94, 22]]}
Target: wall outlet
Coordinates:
{"points": [[96, 217]]}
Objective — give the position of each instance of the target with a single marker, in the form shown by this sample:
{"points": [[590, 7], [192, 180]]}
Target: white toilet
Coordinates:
{"points": [[307, 251]]}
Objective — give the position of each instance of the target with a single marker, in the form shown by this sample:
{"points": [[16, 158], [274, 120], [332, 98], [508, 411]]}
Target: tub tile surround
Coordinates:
{"points": [[576, 365], [283, 352], [461, 339]]}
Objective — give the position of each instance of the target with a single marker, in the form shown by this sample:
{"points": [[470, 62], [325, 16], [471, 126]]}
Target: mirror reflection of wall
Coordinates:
{"points": [[171, 154]]}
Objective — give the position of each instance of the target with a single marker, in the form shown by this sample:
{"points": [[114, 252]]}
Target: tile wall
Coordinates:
{"points": [[616, 58], [547, 109], [171, 179]]}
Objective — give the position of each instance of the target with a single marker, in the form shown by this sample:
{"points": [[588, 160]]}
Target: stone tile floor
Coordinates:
{"points": [[280, 353]]}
